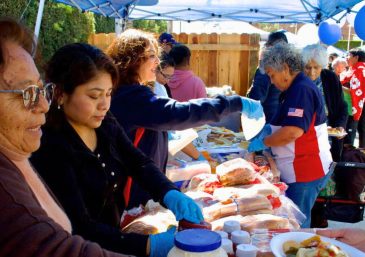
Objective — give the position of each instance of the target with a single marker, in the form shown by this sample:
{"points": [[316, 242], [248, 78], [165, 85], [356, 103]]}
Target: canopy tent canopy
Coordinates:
{"points": [[258, 11]]}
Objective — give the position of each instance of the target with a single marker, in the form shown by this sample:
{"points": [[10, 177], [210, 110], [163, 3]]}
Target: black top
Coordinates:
{"points": [[333, 95], [90, 185]]}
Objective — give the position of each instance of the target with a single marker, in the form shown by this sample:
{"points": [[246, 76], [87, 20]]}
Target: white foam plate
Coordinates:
{"points": [[251, 127], [278, 240]]}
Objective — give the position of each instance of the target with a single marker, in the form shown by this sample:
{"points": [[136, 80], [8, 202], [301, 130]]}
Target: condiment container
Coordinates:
{"points": [[228, 247], [240, 237], [184, 224], [246, 250], [197, 243], [223, 234], [231, 225]]}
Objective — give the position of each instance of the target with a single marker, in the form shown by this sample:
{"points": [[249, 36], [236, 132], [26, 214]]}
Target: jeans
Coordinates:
{"points": [[304, 194]]}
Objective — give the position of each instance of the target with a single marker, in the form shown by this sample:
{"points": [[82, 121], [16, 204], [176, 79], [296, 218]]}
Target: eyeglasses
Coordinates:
{"points": [[31, 94], [166, 76]]}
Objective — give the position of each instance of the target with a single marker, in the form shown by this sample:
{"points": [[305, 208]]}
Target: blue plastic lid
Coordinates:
{"points": [[197, 240]]}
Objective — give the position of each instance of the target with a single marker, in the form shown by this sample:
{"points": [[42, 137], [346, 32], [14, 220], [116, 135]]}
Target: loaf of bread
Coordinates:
{"points": [[235, 172]]}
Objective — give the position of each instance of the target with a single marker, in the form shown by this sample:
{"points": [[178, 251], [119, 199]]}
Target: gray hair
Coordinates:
{"points": [[281, 53], [338, 61], [315, 52]]}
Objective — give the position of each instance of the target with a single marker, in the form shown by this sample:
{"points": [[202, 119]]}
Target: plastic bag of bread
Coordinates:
{"points": [[201, 198], [235, 172], [258, 221], [152, 222], [205, 183], [243, 206]]}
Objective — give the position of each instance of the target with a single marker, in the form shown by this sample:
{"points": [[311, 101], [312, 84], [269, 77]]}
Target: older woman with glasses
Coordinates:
{"points": [[315, 61], [32, 221]]}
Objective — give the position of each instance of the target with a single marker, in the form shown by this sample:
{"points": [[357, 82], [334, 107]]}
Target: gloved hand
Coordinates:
{"points": [[265, 131], [183, 206], [252, 108], [201, 158], [257, 144], [161, 244]]}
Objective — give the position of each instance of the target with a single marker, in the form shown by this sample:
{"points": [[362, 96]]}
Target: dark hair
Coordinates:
{"points": [[275, 37], [128, 54], [181, 54], [359, 53], [73, 65], [166, 61], [11, 30]]}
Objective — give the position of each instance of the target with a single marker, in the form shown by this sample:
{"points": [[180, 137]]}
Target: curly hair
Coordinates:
{"points": [[128, 54], [281, 53], [315, 52]]}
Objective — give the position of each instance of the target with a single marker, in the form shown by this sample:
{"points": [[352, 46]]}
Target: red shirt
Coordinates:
{"points": [[355, 77]]}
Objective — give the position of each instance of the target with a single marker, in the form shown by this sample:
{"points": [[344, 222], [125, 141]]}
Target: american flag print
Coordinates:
{"points": [[294, 112]]}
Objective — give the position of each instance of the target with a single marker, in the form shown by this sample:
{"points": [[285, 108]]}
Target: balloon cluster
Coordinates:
{"points": [[329, 33], [359, 23]]}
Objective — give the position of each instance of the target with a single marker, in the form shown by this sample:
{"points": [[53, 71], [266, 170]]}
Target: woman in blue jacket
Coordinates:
{"points": [[136, 106], [86, 157]]}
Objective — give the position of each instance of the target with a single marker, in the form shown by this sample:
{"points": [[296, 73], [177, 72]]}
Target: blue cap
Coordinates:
{"points": [[166, 38], [197, 240]]}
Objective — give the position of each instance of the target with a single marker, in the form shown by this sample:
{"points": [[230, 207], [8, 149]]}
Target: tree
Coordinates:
{"points": [[154, 26]]}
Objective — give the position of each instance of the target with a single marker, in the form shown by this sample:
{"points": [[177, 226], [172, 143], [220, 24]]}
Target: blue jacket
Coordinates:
{"points": [[137, 106], [262, 89]]}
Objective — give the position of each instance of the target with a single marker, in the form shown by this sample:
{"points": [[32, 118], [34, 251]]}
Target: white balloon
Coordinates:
{"points": [[351, 18], [308, 34]]}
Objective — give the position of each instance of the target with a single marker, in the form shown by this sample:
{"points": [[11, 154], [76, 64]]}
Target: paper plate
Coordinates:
{"points": [[277, 242], [251, 127]]}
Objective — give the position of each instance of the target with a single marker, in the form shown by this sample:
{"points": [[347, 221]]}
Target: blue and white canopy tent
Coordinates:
{"points": [[271, 11]]}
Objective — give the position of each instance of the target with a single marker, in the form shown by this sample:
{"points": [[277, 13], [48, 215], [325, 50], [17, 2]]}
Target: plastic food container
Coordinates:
{"points": [[240, 237], [197, 243], [184, 224], [246, 250], [228, 247], [223, 234], [231, 225]]}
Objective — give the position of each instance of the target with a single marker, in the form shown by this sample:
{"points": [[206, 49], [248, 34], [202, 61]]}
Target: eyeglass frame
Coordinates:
{"points": [[167, 77], [33, 103]]}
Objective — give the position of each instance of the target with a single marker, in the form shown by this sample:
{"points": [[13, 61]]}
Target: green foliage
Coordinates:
{"points": [[154, 26], [61, 24], [104, 24], [342, 44]]}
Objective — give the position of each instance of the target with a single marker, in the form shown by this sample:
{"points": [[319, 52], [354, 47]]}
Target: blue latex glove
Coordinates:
{"points": [[201, 158], [265, 131], [256, 145], [161, 244], [183, 206], [252, 108]]}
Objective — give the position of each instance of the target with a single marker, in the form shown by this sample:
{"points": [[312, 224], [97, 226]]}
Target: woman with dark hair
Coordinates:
{"points": [[86, 157], [135, 106], [32, 222]]}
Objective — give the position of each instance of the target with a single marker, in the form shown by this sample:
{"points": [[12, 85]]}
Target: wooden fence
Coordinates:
{"points": [[218, 59]]}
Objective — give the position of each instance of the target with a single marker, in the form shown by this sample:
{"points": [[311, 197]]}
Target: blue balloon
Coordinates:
{"points": [[329, 33], [359, 23]]}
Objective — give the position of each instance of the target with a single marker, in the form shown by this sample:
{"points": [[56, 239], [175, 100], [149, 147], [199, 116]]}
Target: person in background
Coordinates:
{"points": [[166, 41], [136, 106], [297, 134], [355, 81], [331, 58], [315, 61], [339, 66], [184, 85], [165, 71], [32, 222], [351, 236], [261, 88], [86, 157]]}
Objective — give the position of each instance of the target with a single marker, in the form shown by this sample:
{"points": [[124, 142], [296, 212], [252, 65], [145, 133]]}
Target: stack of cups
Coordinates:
{"points": [[228, 247], [231, 225], [240, 237]]}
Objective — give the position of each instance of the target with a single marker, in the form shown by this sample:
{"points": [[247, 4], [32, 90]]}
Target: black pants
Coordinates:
{"points": [[361, 130], [336, 148], [351, 127]]}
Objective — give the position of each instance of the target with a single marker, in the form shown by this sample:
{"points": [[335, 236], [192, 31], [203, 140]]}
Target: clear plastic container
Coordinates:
{"points": [[197, 243], [240, 237], [246, 250]]}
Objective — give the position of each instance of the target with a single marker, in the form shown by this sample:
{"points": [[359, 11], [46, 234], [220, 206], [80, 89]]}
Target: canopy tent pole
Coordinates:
{"points": [[349, 38], [39, 18]]}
